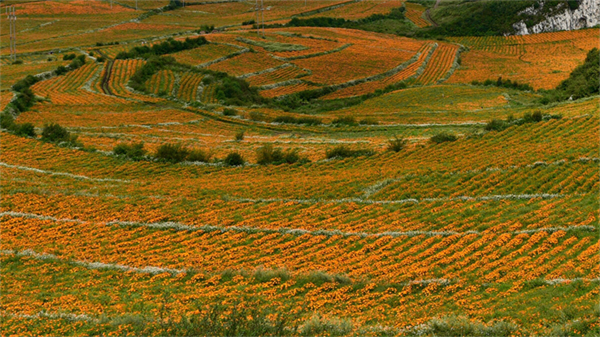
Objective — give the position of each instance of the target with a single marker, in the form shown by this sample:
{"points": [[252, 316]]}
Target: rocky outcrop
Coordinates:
{"points": [[586, 15]]}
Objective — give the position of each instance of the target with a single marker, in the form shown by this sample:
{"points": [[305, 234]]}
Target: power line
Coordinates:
{"points": [[12, 20]]}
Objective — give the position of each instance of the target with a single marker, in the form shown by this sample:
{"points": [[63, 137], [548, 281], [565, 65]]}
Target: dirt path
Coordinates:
{"points": [[428, 15]]}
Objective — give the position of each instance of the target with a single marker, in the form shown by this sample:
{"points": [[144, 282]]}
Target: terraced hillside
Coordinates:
{"points": [[315, 181]]}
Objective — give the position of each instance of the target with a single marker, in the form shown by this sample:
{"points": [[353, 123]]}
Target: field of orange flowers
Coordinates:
{"points": [[541, 60], [498, 227]]}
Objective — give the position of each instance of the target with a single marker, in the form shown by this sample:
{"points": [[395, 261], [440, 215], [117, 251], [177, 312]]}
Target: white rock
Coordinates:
{"points": [[587, 15]]}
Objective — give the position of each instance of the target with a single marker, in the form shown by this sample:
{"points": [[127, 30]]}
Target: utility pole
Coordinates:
{"points": [[257, 20], [136, 5], [262, 6], [12, 20]]}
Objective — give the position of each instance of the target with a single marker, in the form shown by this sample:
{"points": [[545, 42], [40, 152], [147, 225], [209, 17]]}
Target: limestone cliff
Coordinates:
{"points": [[560, 18]]}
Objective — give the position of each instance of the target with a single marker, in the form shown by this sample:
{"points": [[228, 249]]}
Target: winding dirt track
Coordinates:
{"points": [[428, 15]]}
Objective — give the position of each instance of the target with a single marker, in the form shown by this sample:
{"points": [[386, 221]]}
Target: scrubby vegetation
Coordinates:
{"points": [[54, 133], [443, 137], [343, 151], [529, 117], [234, 159], [505, 84], [134, 151], [166, 47], [396, 144], [266, 155], [299, 120], [177, 152], [229, 90]]}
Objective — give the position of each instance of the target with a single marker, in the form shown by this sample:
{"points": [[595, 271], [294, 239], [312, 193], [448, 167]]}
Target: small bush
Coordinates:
{"points": [[496, 125], [344, 152], [239, 136], [229, 112], [348, 120], [234, 159], [68, 57], [100, 59], [267, 155], [396, 144], [18, 62], [26, 129], [443, 137], [55, 133], [173, 153], [6, 121], [60, 70], [199, 156], [133, 151]]}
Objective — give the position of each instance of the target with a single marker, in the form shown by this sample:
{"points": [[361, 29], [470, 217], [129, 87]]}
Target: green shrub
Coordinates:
{"points": [[396, 144], [100, 59], [239, 136], [55, 133], [267, 155], [300, 120], [18, 62], [234, 159], [173, 153], [60, 70], [236, 91], [133, 151], [443, 137], [166, 47], [199, 156], [344, 152], [257, 116], [229, 112], [6, 120], [68, 57], [348, 120], [26, 129], [496, 125]]}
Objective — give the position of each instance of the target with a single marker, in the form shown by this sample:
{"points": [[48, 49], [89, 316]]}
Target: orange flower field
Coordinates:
{"points": [[350, 173]]}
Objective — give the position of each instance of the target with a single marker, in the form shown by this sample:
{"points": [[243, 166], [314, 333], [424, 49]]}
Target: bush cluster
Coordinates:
{"points": [[266, 155], [54, 133], [298, 120], [234, 159], [25, 97], [236, 91], [134, 151], [395, 14], [75, 64], [176, 153], [7, 122], [343, 151], [505, 84], [396, 144], [528, 117], [443, 137], [166, 47]]}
